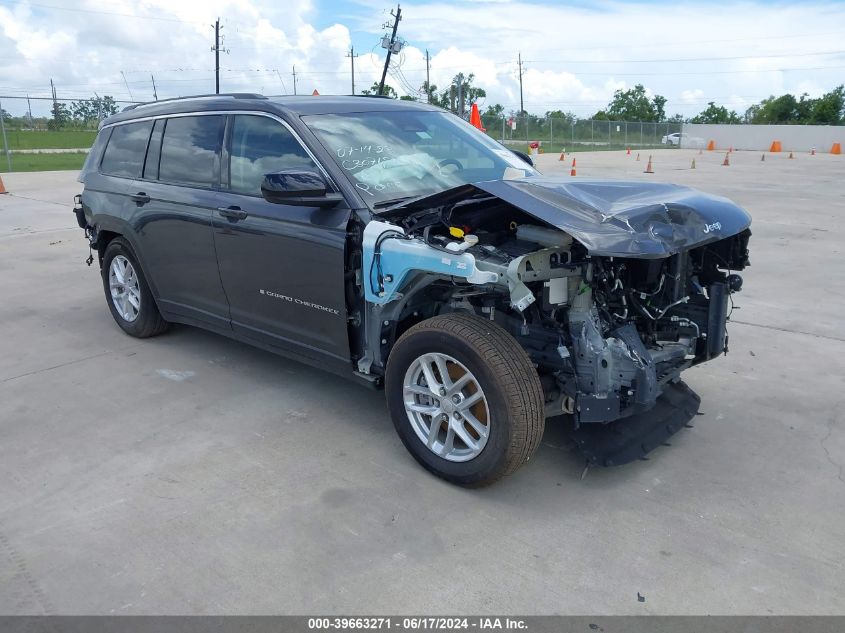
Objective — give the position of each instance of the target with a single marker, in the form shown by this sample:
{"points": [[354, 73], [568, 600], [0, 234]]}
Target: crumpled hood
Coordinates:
{"points": [[610, 217]]}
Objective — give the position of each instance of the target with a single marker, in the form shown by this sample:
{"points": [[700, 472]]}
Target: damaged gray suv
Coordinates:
{"points": [[393, 243]]}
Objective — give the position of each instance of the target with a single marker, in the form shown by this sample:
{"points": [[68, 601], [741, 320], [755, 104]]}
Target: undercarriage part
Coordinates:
{"points": [[716, 342], [632, 438]]}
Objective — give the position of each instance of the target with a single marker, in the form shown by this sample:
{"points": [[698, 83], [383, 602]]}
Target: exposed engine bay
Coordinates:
{"points": [[606, 332]]}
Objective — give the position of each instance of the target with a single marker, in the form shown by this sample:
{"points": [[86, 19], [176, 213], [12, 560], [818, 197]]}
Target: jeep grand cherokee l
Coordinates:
{"points": [[393, 243]]}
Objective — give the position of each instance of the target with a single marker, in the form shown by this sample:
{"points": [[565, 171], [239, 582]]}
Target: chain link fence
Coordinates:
{"points": [[557, 134], [25, 134]]}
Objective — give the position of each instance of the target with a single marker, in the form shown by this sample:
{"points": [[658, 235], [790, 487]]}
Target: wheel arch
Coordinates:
{"points": [[108, 228]]}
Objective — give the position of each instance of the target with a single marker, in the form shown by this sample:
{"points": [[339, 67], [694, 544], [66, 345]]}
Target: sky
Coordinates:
{"points": [[575, 54]]}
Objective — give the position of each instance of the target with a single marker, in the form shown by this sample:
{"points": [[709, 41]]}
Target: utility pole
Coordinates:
{"points": [[351, 55], [55, 103], [294, 79], [5, 143], [396, 18], [29, 110], [427, 77], [521, 103], [216, 49], [460, 80], [155, 94]]}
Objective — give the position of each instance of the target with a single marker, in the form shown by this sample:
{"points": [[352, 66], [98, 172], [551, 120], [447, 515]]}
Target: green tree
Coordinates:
{"points": [[61, 115], [469, 94], [373, 90], [430, 92], [829, 109], [633, 105], [715, 114], [560, 116], [494, 111], [658, 102], [783, 109]]}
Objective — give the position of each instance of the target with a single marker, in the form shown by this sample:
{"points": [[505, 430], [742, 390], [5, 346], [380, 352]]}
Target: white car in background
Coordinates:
{"points": [[681, 138]]}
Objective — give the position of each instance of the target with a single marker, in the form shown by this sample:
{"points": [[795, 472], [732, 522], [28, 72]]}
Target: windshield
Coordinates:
{"points": [[394, 155]]}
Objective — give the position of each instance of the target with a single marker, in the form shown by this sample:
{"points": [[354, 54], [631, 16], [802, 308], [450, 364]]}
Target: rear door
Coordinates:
{"points": [[282, 266], [175, 199]]}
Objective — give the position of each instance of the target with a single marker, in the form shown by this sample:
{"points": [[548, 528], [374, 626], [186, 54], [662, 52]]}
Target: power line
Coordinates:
{"points": [[686, 59], [95, 11]]}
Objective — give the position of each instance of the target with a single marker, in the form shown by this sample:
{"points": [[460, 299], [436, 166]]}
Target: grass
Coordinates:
{"points": [[572, 148], [46, 139], [43, 162]]}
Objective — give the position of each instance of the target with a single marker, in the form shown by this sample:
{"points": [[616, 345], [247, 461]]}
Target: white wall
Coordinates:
{"points": [[793, 138]]}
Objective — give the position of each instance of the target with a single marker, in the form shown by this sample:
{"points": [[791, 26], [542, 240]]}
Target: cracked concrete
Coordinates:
{"points": [[253, 484]]}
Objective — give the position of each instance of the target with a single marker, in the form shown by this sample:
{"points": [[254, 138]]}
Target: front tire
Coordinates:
{"points": [[465, 399], [127, 293]]}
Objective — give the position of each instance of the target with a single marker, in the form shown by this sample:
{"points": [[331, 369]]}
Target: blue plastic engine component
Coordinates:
{"points": [[387, 269]]}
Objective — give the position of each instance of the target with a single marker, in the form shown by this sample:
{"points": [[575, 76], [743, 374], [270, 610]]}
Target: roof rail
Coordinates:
{"points": [[231, 95]]}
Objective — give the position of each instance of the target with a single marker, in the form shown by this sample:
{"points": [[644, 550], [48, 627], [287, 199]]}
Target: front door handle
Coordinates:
{"points": [[140, 198], [232, 213]]}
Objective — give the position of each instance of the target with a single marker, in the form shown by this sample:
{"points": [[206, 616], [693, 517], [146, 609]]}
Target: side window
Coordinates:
{"points": [[124, 155], [154, 152], [189, 150], [261, 146]]}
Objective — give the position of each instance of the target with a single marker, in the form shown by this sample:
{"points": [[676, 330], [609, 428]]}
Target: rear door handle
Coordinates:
{"points": [[233, 213], [140, 197]]}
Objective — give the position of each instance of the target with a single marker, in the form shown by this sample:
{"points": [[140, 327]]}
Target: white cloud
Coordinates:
{"points": [[574, 58]]}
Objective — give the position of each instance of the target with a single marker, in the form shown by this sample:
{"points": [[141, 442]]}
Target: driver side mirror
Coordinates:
{"points": [[298, 187], [524, 156]]}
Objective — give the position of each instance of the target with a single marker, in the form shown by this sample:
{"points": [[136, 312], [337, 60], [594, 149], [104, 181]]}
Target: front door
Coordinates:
{"points": [[282, 266]]}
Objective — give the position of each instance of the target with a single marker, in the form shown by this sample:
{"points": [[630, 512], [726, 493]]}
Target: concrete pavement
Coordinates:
{"points": [[192, 474]]}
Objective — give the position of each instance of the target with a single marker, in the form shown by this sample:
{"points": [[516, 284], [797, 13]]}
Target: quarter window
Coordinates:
{"points": [[189, 150], [260, 146], [124, 155]]}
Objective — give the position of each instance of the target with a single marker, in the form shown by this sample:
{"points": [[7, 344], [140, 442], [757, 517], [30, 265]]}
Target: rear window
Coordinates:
{"points": [[189, 150], [124, 155]]}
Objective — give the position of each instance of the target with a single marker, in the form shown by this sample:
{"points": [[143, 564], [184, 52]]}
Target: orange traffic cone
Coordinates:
{"points": [[791, 156], [638, 156], [562, 155], [693, 164], [572, 171], [629, 151], [475, 117], [763, 157], [648, 169], [2, 187], [836, 148], [711, 146], [726, 162]]}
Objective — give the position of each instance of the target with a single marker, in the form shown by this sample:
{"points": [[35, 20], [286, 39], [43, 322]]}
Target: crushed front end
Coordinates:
{"points": [[611, 316]]}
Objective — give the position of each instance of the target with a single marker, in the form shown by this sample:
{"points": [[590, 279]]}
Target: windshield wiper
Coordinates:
{"points": [[391, 202]]}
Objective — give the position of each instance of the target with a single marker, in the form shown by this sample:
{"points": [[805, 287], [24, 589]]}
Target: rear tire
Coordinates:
{"points": [[484, 365], [127, 293]]}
